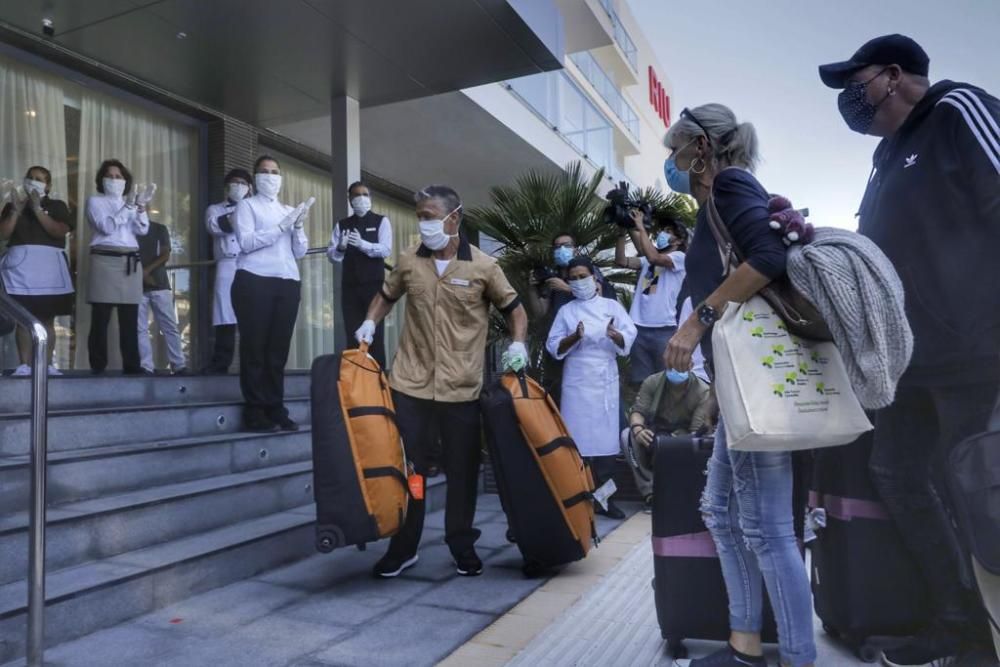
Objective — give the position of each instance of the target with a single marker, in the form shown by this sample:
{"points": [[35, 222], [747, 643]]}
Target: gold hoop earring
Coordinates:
{"points": [[698, 171]]}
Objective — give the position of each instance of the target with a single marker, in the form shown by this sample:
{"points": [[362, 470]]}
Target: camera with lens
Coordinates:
{"points": [[543, 273], [620, 202]]}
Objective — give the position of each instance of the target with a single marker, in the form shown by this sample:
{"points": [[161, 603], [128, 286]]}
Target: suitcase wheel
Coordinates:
{"points": [[532, 569], [327, 540], [868, 652], [676, 648]]}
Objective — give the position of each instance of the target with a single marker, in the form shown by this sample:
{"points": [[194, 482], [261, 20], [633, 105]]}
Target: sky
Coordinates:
{"points": [[759, 58]]}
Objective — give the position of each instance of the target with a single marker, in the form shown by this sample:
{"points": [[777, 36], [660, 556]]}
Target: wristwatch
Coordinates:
{"points": [[707, 315]]}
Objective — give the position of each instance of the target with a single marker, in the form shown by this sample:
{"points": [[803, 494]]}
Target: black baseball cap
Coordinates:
{"points": [[885, 50]]}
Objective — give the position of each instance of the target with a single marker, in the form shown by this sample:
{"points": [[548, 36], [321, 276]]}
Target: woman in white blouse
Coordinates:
{"points": [[117, 215], [266, 295]]}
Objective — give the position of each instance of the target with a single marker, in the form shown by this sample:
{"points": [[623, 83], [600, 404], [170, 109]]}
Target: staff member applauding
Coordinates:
{"points": [[266, 295], [34, 268], [117, 216]]}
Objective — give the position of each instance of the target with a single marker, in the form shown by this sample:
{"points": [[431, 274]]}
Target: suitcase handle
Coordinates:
{"points": [[696, 443]]}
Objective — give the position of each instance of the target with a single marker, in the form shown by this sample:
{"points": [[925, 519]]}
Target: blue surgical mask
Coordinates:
{"points": [[676, 377], [663, 240], [562, 255], [679, 181]]}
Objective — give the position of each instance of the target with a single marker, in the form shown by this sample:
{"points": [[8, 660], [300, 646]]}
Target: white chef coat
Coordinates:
{"points": [[381, 249], [590, 387], [265, 250], [225, 249], [114, 224]]}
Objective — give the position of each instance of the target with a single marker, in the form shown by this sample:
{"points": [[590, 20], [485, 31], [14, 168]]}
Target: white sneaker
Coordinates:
{"points": [[22, 370], [53, 370]]}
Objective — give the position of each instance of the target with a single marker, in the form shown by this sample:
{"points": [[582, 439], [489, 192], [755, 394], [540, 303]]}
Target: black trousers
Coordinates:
{"points": [[355, 302], [266, 309], [128, 336], [602, 468], [459, 425], [225, 348], [913, 438]]}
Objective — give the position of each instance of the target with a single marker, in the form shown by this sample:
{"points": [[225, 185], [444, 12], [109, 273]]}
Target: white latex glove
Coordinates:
{"points": [[354, 238], [291, 218], [144, 195], [130, 198], [19, 197], [366, 332], [6, 189], [300, 222], [516, 357]]}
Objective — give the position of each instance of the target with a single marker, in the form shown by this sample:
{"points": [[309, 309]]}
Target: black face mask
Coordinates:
{"points": [[854, 106]]}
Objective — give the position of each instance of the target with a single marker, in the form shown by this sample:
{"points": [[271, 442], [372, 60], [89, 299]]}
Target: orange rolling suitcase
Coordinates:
{"points": [[545, 487], [359, 464]]}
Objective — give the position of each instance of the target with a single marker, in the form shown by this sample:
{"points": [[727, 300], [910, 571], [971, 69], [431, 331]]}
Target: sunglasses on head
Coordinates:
{"points": [[686, 113]]}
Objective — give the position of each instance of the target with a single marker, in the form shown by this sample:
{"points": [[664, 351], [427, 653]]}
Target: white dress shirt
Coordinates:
{"points": [[114, 224], [381, 249], [224, 244], [265, 250]]}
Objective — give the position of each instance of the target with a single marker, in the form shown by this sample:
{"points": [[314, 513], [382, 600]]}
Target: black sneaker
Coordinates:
{"points": [[184, 371], [613, 511], [392, 566], [260, 426], [932, 650], [727, 657], [287, 424], [468, 564]]}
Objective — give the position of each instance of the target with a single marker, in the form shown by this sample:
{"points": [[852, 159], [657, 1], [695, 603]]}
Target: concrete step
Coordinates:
{"points": [[91, 427], [102, 593], [80, 474], [104, 527], [86, 391]]}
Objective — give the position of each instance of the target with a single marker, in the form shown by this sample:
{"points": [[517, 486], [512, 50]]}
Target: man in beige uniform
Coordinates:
{"points": [[438, 371]]}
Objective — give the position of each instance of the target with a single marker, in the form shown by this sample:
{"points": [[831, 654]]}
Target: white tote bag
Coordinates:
{"points": [[778, 392]]}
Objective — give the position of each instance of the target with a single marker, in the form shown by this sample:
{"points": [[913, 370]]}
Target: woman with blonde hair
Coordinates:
{"points": [[747, 503]]}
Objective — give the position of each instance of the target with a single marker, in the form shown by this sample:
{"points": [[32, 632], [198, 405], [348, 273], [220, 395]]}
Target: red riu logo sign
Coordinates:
{"points": [[659, 98]]}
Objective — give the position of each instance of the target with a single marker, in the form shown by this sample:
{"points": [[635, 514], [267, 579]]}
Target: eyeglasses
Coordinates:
{"points": [[686, 113]]}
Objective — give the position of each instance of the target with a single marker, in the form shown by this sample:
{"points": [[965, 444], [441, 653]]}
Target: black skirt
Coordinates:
{"points": [[46, 306]]}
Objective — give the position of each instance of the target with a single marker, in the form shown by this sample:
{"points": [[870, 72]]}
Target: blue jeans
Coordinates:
{"points": [[747, 506]]}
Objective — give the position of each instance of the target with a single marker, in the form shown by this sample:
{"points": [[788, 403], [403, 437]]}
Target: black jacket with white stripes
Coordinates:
{"points": [[933, 206]]}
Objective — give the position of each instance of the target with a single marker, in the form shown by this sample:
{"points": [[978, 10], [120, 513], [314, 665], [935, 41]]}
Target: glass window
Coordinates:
{"points": [[49, 121]]}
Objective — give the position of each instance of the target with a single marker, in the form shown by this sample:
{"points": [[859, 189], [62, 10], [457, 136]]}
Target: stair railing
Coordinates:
{"points": [[39, 475]]}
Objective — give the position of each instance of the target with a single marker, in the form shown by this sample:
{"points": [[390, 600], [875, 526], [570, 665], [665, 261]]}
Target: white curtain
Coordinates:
{"points": [[314, 327], [155, 151], [404, 234], [32, 132]]}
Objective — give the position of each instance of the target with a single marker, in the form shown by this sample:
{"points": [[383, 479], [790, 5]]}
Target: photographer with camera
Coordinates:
{"points": [[550, 286], [660, 264]]}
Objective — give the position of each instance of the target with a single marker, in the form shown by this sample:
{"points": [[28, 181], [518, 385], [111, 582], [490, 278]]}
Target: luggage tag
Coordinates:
{"points": [[602, 494], [416, 483]]}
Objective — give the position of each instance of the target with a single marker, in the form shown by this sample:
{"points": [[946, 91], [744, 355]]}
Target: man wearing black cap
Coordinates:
{"points": [[933, 206]]}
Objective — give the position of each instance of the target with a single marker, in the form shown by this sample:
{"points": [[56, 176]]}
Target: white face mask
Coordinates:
{"points": [[37, 186], [268, 185], [432, 233], [114, 187], [584, 288], [361, 205], [237, 191]]}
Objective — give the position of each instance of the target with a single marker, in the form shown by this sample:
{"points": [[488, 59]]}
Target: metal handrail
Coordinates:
{"points": [[319, 250], [39, 475]]}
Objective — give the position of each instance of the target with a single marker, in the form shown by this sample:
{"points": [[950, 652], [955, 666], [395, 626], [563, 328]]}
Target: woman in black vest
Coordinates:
{"points": [[362, 242]]}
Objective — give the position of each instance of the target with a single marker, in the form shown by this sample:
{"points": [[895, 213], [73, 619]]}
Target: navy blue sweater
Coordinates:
{"points": [[742, 203]]}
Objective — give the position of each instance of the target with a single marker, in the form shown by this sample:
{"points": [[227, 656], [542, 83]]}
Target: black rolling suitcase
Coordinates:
{"points": [[544, 486], [690, 594], [866, 587]]}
